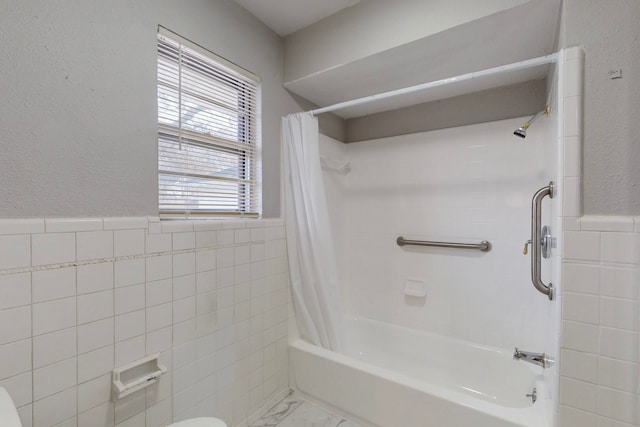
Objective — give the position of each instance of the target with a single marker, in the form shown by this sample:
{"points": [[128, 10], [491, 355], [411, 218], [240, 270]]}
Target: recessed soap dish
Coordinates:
{"points": [[415, 288], [136, 375]]}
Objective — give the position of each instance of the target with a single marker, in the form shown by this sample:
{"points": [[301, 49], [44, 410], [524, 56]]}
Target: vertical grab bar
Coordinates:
{"points": [[537, 239]]}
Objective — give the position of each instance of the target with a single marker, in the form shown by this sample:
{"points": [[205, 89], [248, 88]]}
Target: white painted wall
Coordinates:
{"points": [[609, 31], [78, 105]]}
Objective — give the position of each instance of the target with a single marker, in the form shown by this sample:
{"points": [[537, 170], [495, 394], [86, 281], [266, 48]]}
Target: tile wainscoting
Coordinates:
{"points": [[82, 296], [599, 356]]}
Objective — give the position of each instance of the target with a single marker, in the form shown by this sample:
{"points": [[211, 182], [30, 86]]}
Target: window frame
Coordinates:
{"points": [[223, 84]]}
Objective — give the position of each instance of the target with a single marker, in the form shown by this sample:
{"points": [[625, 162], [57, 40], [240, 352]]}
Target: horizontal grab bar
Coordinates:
{"points": [[483, 246]]}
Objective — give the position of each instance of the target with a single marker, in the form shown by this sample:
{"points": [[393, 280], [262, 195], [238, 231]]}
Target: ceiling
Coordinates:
{"points": [[288, 16]]}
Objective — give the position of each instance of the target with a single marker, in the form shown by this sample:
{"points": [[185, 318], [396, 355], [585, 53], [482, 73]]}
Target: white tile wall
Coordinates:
{"points": [[597, 280], [80, 296], [54, 347], [94, 245], [602, 350], [465, 184], [15, 290], [53, 248], [53, 284], [601, 282], [15, 251]]}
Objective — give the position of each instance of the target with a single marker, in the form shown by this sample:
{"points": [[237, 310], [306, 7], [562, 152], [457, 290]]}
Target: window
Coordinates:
{"points": [[207, 133]]}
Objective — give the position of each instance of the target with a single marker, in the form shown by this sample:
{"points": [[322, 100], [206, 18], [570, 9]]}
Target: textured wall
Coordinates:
{"points": [[78, 106], [609, 32]]}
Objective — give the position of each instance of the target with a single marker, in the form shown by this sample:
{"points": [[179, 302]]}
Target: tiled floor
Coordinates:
{"points": [[295, 412]]}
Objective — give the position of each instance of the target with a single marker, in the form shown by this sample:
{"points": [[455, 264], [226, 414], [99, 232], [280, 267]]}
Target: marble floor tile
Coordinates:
{"points": [[295, 412], [279, 412], [308, 415]]}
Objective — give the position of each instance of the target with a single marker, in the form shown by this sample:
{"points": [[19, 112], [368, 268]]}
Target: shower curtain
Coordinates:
{"points": [[314, 275]]}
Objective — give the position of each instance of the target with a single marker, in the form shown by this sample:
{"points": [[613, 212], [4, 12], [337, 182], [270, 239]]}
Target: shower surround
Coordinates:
{"points": [[463, 184]]}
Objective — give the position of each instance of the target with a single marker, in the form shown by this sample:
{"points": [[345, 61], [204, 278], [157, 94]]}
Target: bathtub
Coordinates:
{"points": [[391, 376]]}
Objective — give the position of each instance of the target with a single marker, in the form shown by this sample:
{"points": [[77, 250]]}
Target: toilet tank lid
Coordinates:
{"points": [[8, 412], [200, 422]]}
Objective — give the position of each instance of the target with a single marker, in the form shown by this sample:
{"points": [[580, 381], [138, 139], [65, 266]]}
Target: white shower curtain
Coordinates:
{"points": [[314, 275]]}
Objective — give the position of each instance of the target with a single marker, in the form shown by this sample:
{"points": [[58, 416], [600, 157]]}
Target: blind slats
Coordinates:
{"points": [[207, 135]]}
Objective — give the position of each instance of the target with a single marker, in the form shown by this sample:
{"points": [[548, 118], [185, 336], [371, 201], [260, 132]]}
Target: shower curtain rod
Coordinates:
{"points": [[528, 63]]}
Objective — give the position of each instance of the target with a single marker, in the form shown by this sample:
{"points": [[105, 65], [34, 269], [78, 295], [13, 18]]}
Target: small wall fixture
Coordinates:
{"points": [[483, 246], [136, 375], [522, 131]]}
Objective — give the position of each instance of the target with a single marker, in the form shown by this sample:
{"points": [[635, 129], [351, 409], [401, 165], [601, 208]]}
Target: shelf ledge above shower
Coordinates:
{"points": [[518, 32]]}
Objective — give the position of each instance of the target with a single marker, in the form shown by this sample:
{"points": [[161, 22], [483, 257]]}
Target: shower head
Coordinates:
{"points": [[522, 130]]}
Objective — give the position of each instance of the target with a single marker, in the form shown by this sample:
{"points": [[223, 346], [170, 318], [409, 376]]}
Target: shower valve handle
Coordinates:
{"points": [[525, 250]]}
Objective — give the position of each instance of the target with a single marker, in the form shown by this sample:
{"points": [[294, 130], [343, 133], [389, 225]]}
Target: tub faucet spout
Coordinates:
{"points": [[540, 359]]}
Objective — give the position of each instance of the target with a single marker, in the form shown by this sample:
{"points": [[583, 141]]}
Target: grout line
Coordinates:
{"points": [[110, 259]]}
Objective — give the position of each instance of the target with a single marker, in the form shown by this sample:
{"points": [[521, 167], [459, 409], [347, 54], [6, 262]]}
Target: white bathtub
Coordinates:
{"points": [[391, 376]]}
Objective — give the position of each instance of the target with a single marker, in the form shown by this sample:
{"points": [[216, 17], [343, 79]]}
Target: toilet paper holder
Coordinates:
{"points": [[136, 375]]}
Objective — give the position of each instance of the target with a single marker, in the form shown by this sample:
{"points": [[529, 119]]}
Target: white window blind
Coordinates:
{"points": [[207, 133]]}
